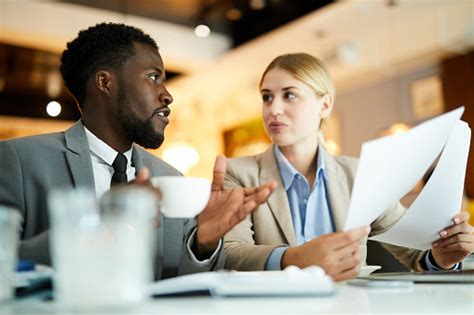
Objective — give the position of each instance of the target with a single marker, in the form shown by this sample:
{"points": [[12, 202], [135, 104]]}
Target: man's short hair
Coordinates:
{"points": [[105, 45]]}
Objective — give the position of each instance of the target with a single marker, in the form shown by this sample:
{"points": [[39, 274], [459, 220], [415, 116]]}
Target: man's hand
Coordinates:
{"points": [[337, 253], [226, 208], [456, 242]]}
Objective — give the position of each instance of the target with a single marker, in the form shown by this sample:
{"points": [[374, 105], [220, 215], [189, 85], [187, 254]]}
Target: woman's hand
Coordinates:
{"points": [[337, 253], [456, 242]]}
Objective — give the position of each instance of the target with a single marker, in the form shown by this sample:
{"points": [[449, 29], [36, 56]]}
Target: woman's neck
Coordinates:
{"points": [[303, 157]]}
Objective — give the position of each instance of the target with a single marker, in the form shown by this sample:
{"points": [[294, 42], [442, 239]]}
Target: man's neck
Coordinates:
{"points": [[108, 133]]}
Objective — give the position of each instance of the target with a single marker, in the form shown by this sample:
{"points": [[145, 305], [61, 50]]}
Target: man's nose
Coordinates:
{"points": [[165, 97]]}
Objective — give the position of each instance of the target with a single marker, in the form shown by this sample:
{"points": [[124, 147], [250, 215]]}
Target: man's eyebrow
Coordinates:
{"points": [[154, 68]]}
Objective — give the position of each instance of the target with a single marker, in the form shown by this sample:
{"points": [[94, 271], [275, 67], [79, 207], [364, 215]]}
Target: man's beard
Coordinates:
{"points": [[140, 131]]}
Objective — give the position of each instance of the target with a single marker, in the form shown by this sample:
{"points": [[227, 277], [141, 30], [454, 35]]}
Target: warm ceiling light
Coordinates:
{"points": [[233, 14], [257, 4], [53, 109], [182, 156], [202, 30]]}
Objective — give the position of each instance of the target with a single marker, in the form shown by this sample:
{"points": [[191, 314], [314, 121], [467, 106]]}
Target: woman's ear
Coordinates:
{"points": [[103, 81], [327, 106]]}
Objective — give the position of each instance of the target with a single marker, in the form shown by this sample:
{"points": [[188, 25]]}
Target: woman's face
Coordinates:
{"points": [[291, 110]]}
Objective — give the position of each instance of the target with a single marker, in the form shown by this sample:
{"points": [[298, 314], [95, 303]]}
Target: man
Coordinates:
{"points": [[118, 80]]}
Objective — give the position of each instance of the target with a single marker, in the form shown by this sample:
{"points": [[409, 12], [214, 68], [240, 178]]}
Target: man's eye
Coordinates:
{"points": [[154, 77], [266, 98]]}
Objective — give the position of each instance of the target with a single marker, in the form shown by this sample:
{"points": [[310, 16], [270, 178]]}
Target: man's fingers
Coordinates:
{"points": [[218, 174], [143, 176], [254, 190], [234, 218]]}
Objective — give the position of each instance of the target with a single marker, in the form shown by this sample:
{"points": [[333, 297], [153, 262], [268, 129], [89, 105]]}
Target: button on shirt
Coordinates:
{"points": [[310, 209], [102, 156]]}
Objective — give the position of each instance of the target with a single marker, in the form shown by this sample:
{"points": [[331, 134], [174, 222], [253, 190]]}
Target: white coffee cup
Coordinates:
{"points": [[182, 197]]}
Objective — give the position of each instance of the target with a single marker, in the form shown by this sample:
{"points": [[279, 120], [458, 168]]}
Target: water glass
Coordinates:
{"points": [[102, 251], [10, 220]]}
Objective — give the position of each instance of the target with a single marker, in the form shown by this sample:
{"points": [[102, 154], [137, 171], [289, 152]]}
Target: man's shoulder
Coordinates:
{"points": [[47, 140], [158, 167]]}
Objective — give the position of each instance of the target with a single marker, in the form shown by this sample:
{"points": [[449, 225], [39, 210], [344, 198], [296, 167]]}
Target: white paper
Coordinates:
{"points": [[390, 166], [439, 200]]}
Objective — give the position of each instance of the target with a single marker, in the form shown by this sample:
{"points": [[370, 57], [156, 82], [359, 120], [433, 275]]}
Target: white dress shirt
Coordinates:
{"points": [[102, 156]]}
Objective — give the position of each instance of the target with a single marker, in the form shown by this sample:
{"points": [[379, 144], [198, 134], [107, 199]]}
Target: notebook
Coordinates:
{"points": [[292, 281]]}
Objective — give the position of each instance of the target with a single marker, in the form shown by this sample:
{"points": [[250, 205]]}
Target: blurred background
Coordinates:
{"points": [[395, 63]]}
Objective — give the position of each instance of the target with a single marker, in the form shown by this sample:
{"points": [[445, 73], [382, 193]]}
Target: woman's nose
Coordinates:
{"points": [[276, 107]]}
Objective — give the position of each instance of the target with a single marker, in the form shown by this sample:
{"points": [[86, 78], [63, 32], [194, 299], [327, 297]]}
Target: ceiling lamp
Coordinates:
{"points": [[182, 156], [202, 30]]}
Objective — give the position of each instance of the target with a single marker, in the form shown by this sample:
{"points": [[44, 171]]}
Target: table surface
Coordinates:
{"points": [[421, 298]]}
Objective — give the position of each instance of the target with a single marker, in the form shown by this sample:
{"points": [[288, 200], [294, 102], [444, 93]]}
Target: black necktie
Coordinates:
{"points": [[120, 168]]}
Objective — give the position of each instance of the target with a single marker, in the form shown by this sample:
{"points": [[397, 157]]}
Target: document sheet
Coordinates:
{"points": [[439, 200], [389, 168]]}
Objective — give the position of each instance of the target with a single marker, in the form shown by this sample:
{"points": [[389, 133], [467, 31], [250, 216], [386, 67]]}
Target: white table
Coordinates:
{"points": [[422, 298]]}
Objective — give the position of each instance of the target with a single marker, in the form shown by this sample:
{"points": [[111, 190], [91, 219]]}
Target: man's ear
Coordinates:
{"points": [[104, 81], [327, 106]]}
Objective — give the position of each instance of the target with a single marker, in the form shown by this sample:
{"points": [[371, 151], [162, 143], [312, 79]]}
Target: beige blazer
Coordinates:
{"points": [[249, 244]]}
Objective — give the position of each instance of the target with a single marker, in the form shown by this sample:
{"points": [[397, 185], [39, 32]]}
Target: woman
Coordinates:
{"points": [[302, 222]]}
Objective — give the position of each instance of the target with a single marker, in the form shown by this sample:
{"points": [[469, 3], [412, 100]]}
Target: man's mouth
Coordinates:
{"points": [[163, 112]]}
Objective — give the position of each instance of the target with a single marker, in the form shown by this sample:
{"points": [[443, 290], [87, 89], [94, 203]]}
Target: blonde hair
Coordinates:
{"points": [[309, 70]]}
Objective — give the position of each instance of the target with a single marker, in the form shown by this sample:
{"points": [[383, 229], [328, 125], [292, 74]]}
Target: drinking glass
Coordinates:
{"points": [[102, 251], [9, 236]]}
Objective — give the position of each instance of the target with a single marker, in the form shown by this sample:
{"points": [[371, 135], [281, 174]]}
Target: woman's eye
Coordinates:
{"points": [[289, 95], [266, 98]]}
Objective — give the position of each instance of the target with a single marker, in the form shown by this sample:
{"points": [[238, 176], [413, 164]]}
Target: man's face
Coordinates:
{"points": [[142, 97]]}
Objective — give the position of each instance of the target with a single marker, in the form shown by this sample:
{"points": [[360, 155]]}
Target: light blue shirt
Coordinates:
{"points": [[310, 208]]}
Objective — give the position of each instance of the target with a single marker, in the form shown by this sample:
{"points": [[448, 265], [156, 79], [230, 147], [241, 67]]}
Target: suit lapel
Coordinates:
{"points": [[278, 201], [78, 156], [161, 262], [338, 191]]}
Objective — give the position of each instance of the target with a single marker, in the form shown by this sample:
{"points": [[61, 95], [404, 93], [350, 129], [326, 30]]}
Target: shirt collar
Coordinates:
{"points": [[288, 172], [103, 150]]}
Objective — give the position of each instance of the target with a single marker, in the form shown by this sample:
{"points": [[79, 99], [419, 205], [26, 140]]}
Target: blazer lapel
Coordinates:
{"points": [[338, 191], [160, 261], [278, 200], [78, 156]]}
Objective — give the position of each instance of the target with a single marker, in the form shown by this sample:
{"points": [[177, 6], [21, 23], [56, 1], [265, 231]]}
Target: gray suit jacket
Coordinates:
{"points": [[32, 166], [249, 244]]}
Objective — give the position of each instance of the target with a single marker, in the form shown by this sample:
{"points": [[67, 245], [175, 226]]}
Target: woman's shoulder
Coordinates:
{"points": [[345, 163], [245, 171], [248, 163]]}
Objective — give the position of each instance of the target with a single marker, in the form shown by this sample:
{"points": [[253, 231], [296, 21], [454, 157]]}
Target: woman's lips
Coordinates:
{"points": [[277, 126]]}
